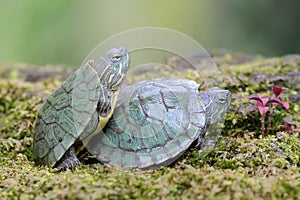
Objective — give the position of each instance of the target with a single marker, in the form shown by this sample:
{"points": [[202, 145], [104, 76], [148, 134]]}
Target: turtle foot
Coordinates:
{"points": [[199, 143], [68, 161]]}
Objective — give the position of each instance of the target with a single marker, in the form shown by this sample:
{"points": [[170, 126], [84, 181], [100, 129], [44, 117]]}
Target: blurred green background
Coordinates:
{"points": [[64, 31]]}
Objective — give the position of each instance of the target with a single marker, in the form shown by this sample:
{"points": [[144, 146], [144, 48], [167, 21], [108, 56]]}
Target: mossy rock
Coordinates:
{"points": [[242, 165]]}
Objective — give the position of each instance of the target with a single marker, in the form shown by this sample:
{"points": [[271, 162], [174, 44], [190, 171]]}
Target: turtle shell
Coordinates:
{"points": [[65, 114], [154, 122], [80, 107]]}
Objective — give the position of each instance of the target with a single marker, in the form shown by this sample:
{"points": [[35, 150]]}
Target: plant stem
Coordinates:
{"points": [[262, 119], [270, 120]]}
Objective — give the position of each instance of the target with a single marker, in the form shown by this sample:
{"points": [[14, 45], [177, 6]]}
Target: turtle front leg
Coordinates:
{"points": [[107, 101], [201, 139], [68, 161], [200, 142]]}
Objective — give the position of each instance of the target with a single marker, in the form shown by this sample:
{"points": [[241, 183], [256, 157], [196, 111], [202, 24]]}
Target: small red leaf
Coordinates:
{"points": [[255, 97], [286, 105], [277, 90]]}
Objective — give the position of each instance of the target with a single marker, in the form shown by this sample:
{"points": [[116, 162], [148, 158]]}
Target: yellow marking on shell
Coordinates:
{"points": [[153, 133], [70, 120], [133, 109], [178, 99]]}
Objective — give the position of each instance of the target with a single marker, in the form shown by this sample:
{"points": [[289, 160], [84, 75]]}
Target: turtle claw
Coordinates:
{"points": [[68, 161], [200, 143]]}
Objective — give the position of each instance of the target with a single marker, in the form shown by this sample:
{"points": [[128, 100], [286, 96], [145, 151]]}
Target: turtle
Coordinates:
{"points": [[156, 121], [77, 109]]}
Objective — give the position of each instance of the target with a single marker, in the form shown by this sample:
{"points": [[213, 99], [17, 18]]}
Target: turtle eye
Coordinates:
{"points": [[222, 100], [116, 57]]}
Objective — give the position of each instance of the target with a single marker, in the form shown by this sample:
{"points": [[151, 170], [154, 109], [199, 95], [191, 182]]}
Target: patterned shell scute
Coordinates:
{"points": [[65, 114], [153, 124]]}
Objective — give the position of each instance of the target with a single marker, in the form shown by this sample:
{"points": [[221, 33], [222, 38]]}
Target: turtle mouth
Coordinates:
{"points": [[126, 63], [220, 105], [228, 101]]}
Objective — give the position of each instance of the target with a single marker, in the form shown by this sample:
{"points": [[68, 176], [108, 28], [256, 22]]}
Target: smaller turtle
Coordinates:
{"points": [[156, 121], [81, 106]]}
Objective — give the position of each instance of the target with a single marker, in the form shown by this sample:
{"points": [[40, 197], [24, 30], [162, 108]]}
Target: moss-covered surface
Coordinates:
{"points": [[241, 166]]}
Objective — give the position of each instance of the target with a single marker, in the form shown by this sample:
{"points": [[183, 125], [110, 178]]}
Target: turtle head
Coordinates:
{"points": [[216, 101], [112, 67]]}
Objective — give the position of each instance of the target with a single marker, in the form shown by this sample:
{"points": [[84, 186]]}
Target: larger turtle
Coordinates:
{"points": [[81, 106], [155, 121]]}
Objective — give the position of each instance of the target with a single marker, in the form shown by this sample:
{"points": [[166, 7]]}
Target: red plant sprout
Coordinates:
{"points": [[288, 124], [262, 105], [277, 91]]}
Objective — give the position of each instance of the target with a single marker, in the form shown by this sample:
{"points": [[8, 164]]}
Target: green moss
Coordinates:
{"points": [[241, 166], [242, 154]]}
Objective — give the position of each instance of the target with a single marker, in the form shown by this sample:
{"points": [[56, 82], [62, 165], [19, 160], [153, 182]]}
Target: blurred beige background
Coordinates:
{"points": [[64, 32]]}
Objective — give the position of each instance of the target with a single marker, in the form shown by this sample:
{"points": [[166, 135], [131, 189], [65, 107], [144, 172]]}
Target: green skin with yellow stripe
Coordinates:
{"points": [[80, 107]]}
